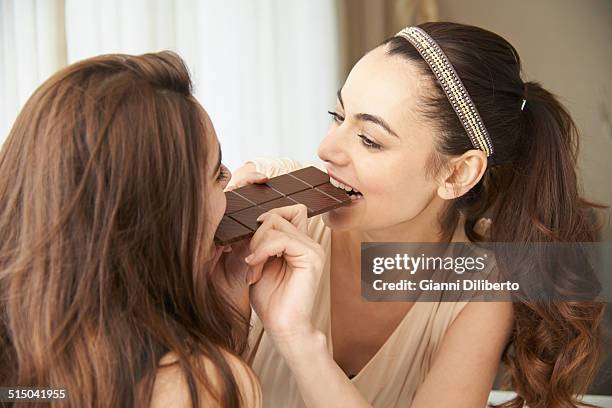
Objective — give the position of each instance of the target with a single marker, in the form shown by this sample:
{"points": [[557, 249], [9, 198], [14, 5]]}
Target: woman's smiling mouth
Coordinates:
{"points": [[351, 191]]}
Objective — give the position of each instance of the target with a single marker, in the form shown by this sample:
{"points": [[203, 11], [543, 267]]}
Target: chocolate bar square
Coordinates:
{"points": [[231, 231], [258, 193], [287, 184], [309, 186], [311, 175], [338, 193], [235, 202], [248, 216], [314, 200], [279, 202]]}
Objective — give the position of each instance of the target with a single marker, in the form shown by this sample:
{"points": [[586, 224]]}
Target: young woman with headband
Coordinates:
{"points": [[439, 139]]}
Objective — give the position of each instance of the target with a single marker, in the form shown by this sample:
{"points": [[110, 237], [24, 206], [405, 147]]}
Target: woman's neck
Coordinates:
{"points": [[423, 228]]}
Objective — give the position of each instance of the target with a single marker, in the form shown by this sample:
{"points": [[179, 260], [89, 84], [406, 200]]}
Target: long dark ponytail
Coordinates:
{"points": [[555, 346], [530, 191]]}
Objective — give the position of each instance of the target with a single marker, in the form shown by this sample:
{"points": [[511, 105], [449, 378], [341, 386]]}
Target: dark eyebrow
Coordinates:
{"points": [[369, 118], [376, 120]]}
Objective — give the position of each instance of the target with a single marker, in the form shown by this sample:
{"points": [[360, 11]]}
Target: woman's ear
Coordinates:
{"points": [[462, 173]]}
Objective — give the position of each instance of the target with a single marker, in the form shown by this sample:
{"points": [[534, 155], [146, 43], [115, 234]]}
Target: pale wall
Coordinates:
{"points": [[565, 45]]}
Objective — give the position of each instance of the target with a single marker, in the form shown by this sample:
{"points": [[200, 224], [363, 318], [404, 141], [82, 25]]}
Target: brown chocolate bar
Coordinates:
{"points": [[309, 186]]}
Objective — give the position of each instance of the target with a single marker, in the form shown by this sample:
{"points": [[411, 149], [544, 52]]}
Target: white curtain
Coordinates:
{"points": [[265, 70], [32, 47]]}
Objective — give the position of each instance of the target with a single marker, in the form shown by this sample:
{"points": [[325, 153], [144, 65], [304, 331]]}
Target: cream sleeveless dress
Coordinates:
{"points": [[391, 377]]}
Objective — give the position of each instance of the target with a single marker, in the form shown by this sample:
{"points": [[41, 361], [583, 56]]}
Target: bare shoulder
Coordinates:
{"points": [[171, 387], [469, 356], [483, 328], [491, 316]]}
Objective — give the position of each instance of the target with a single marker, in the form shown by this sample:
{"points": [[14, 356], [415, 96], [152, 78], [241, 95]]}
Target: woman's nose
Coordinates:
{"points": [[333, 148]]}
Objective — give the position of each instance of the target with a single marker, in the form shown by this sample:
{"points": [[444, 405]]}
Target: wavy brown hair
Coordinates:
{"points": [[530, 190], [104, 237]]}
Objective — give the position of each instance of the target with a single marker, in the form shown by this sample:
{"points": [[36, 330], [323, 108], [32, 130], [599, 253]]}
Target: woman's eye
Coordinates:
{"points": [[336, 116], [224, 174], [369, 143]]}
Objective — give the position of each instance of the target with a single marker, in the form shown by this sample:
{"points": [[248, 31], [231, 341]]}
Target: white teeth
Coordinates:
{"points": [[336, 183]]}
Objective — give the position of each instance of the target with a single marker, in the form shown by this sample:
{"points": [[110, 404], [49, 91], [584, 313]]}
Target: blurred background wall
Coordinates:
{"points": [[265, 70]]}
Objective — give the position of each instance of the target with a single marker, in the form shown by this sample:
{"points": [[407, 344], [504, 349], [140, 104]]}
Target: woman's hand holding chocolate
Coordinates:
{"points": [[286, 266], [244, 176]]}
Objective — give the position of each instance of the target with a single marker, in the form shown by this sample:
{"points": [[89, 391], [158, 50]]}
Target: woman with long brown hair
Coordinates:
{"points": [[437, 138], [111, 189]]}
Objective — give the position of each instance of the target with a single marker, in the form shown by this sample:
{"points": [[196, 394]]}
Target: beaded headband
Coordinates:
{"points": [[451, 84]]}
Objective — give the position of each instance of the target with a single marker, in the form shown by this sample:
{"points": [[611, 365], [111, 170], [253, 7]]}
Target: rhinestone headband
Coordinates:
{"points": [[451, 84]]}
